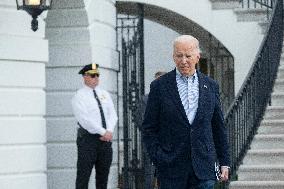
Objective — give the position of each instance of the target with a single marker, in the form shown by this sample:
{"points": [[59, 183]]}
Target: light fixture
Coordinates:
{"points": [[34, 8]]}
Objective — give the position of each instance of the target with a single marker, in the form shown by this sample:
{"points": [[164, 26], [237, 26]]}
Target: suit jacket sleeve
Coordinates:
{"points": [[150, 125], [220, 132]]}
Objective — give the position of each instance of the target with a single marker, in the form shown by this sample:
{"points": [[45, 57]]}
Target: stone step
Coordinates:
{"points": [[277, 98], [257, 185], [251, 14], [264, 26], [225, 4], [266, 156], [271, 127], [274, 112], [279, 84], [264, 141], [280, 74], [261, 172], [281, 65]]}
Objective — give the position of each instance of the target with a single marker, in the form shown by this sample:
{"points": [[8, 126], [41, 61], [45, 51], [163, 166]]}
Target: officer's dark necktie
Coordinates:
{"points": [[101, 110]]}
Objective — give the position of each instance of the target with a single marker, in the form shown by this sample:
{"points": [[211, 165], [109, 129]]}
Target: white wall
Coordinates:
{"points": [[158, 50], [23, 55]]}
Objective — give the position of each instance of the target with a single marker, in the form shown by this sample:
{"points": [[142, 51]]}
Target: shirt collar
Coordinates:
{"points": [[185, 78], [89, 88]]}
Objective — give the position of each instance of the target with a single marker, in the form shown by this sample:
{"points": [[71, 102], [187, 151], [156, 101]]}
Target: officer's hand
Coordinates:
{"points": [[107, 136]]}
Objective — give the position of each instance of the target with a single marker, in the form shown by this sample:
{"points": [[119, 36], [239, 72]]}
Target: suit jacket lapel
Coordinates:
{"points": [[173, 90], [203, 91]]}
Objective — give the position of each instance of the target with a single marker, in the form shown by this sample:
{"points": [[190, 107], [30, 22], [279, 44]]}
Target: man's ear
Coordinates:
{"points": [[198, 56]]}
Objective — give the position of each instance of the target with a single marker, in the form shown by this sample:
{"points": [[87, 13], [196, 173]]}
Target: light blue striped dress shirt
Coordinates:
{"points": [[189, 93]]}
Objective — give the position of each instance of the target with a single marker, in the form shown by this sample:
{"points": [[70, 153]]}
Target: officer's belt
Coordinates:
{"points": [[83, 132]]}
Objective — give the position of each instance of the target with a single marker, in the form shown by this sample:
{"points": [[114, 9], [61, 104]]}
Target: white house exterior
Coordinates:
{"points": [[38, 75]]}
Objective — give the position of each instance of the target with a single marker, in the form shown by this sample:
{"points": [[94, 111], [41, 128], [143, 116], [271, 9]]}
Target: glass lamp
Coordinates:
{"points": [[34, 8]]}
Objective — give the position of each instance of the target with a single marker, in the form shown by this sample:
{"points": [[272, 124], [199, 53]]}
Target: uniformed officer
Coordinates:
{"points": [[96, 119]]}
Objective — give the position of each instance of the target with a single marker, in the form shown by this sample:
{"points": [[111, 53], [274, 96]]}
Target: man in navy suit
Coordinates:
{"points": [[183, 127]]}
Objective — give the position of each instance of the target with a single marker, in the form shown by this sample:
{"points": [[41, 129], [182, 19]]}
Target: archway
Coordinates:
{"points": [[216, 62]]}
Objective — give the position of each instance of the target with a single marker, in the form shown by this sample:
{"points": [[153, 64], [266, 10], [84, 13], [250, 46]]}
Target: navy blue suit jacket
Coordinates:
{"points": [[172, 142]]}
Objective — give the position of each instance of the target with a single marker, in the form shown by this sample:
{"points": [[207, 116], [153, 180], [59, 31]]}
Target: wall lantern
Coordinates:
{"points": [[34, 8]]}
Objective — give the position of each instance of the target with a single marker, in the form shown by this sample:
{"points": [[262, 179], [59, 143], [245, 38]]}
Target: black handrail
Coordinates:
{"points": [[246, 112], [263, 4], [258, 3]]}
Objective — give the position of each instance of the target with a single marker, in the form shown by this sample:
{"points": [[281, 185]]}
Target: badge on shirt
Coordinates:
{"points": [[103, 97]]}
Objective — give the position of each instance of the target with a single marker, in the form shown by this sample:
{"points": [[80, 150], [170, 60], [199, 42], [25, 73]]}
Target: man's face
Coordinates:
{"points": [[91, 80], [186, 56]]}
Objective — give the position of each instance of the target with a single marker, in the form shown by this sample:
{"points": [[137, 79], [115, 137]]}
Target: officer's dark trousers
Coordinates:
{"points": [[93, 152]]}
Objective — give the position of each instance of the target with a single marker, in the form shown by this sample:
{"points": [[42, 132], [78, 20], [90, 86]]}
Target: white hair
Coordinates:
{"points": [[187, 38]]}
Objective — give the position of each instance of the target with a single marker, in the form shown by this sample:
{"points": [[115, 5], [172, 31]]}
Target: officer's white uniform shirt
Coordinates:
{"points": [[87, 112]]}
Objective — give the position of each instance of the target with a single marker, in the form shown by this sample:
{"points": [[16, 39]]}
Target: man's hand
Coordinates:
{"points": [[225, 173], [107, 136]]}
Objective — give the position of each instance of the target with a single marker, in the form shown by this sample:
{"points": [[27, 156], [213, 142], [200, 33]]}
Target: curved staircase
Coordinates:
{"points": [[256, 134], [260, 164], [263, 165]]}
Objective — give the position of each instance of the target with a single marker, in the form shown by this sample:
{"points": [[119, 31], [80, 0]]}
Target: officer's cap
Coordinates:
{"points": [[90, 69]]}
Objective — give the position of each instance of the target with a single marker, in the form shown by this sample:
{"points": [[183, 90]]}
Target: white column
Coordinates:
{"points": [[69, 49], [102, 25], [79, 32], [23, 55]]}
